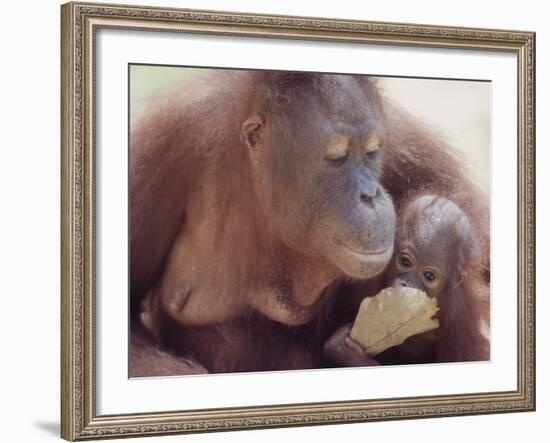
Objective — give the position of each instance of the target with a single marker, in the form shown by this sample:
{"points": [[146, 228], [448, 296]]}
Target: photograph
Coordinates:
{"points": [[289, 220], [281, 220], [276, 221]]}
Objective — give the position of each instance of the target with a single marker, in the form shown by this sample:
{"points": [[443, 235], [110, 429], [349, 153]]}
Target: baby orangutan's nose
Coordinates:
{"points": [[398, 282]]}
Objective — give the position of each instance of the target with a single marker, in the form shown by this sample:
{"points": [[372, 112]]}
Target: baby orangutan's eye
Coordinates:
{"points": [[429, 276]]}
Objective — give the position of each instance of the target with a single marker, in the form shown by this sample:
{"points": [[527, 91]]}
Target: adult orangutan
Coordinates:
{"points": [[254, 195]]}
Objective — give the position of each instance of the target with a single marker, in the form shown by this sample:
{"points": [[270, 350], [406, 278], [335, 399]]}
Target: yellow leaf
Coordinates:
{"points": [[392, 316]]}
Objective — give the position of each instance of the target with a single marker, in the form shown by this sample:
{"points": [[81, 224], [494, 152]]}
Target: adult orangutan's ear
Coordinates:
{"points": [[251, 131]]}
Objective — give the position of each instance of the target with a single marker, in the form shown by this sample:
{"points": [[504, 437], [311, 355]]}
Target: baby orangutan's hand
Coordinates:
{"points": [[343, 350]]}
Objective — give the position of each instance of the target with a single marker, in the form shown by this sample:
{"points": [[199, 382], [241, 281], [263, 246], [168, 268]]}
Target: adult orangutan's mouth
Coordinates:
{"points": [[379, 251]]}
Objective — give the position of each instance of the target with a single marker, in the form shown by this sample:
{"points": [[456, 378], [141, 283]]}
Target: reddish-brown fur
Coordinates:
{"points": [[164, 177], [464, 310]]}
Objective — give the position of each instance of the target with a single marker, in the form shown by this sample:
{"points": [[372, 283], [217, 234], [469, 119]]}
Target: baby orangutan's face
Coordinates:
{"points": [[430, 232], [409, 269]]}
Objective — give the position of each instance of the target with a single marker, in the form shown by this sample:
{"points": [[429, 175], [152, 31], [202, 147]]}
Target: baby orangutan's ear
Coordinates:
{"points": [[460, 279], [251, 131]]}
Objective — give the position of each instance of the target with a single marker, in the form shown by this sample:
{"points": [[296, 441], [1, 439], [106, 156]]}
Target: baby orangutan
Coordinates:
{"points": [[435, 252]]}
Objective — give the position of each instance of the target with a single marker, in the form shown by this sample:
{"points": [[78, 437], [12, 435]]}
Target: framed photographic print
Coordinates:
{"points": [[280, 221]]}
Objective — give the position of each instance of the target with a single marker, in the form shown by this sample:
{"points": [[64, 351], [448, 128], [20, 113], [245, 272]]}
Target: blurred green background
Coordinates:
{"points": [[459, 110]]}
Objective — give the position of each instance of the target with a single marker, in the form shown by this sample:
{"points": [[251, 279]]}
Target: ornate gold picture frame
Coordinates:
{"points": [[81, 22]]}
